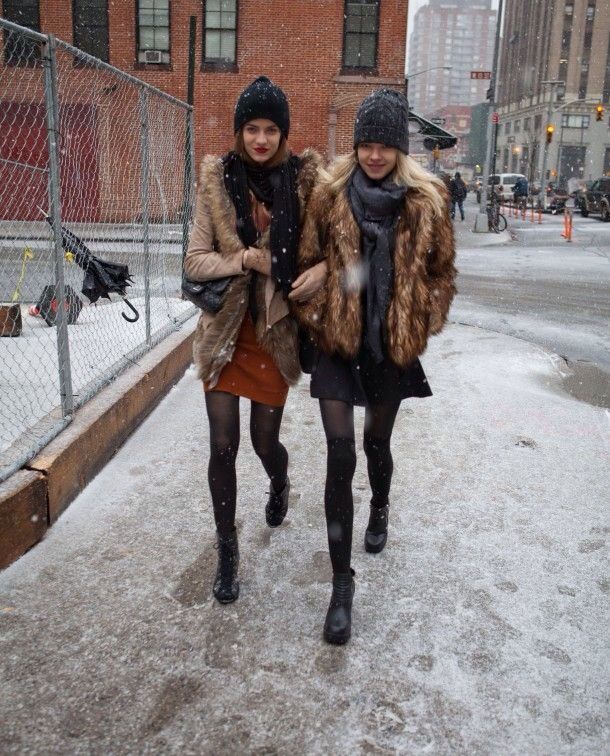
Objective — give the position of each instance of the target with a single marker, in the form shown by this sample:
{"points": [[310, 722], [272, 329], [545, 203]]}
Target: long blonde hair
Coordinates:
{"points": [[408, 172]]}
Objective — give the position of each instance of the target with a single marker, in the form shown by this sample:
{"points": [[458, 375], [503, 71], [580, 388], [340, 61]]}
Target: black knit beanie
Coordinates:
{"points": [[262, 99], [383, 117]]}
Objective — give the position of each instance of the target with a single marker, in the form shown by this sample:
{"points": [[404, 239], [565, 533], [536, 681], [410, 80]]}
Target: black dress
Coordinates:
{"points": [[361, 382]]}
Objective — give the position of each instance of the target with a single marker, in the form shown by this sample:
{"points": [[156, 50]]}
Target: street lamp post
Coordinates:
{"points": [[423, 71], [492, 128], [554, 83]]}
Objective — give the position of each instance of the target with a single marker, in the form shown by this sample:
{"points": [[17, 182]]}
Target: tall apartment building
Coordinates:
{"points": [[326, 54], [456, 33], [566, 42]]}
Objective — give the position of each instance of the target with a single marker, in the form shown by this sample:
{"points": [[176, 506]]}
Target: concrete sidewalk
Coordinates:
{"points": [[482, 628]]}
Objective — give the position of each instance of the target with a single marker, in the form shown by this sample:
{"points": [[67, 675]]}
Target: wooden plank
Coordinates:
{"points": [[100, 428], [23, 514]]}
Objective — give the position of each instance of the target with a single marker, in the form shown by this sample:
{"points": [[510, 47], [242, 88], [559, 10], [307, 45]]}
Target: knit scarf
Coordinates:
{"points": [[277, 188], [376, 205]]}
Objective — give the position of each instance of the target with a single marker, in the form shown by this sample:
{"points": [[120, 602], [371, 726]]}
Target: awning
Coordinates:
{"points": [[431, 134]]}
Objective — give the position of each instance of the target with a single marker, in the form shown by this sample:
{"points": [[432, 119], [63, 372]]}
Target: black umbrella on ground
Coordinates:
{"points": [[101, 278]]}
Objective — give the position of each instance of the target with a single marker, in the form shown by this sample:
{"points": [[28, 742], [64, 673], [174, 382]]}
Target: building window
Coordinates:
{"points": [[153, 31], [575, 121], [507, 127], [590, 12], [537, 122], [90, 23], [360, 32], [517, 127], [527, 123], [220, 32], [19, 50]]}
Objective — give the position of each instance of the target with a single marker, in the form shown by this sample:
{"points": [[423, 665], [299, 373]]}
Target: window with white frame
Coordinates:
{"points": [[220, 32], [153, 31]]}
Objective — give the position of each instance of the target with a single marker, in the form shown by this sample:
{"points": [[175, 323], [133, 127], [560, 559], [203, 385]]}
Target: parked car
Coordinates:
{"points": [[504, 183], [596, 200]]}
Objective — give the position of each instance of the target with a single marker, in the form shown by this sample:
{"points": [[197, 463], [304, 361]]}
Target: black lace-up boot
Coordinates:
{"points": [[277, 506], [338, 624], [377, 531], [226, 585]]}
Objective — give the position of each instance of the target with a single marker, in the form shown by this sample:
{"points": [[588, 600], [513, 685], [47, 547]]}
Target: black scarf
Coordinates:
{"points": [[376, 205], [277, 188]]}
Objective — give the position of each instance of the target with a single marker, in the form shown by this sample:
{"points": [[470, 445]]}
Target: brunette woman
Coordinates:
{"points": [[250, 206], [382, 224]]}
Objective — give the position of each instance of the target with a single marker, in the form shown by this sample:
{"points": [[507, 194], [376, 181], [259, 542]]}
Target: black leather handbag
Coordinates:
{"points": [[207, 295]]}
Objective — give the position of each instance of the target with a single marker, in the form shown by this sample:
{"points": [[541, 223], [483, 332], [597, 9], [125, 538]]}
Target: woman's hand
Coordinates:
{"points": [[257, 259], [309, 282]]}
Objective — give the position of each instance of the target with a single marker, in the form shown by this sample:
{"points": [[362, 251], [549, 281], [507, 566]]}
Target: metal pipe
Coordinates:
{"points": [[492, 133], [61, 321], [144, 160]]}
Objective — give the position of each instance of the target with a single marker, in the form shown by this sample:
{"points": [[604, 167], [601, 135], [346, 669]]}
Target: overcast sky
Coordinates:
{"points": [[415, 5]]}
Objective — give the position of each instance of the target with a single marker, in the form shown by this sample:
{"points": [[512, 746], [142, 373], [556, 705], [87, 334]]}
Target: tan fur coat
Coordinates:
{"points": [[424, 274], [215, 250]]}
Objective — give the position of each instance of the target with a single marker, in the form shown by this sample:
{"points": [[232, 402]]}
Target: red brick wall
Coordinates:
{"points": [[298, 45]]}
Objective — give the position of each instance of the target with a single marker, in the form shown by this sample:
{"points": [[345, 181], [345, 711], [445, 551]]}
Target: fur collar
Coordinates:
{"points": [[211, 182]]}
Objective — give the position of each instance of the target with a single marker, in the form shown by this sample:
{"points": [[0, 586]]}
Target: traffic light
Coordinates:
{"points": [[599, 113], [550, 129]]}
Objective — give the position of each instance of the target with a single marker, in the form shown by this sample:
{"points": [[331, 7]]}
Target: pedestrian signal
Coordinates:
{"points": [[599, 112], [549, 133]]}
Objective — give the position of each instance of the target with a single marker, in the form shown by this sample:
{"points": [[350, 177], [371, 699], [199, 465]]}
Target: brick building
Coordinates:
{"points": [[456, 33], [326, 54]]}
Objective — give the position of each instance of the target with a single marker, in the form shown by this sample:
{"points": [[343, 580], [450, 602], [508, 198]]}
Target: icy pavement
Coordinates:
{"points": [[481, 629]]}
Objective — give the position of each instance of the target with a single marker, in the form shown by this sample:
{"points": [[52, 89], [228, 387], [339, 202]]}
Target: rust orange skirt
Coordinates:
{"points": [[252, 373]]}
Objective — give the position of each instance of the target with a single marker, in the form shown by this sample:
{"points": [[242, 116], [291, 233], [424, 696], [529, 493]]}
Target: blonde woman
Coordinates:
{"points": [[382, 225]]}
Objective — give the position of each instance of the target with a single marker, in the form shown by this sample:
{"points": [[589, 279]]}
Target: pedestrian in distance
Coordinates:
{"points": [[382, 224], [250, 209], [458, 190], [521, 191]]}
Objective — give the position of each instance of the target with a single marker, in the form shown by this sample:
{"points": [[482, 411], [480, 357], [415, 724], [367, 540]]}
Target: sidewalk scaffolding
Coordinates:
{"points": [[109, 158]]}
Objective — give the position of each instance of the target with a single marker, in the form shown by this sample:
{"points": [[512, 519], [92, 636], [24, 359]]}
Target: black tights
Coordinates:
{"points": [[223, 416], [338, 421]]}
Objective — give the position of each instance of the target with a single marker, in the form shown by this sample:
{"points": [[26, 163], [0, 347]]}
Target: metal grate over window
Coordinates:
{"points": [[360, 34]]}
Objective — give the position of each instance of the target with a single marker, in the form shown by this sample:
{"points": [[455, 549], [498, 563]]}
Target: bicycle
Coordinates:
{"points": [[496, 221]]}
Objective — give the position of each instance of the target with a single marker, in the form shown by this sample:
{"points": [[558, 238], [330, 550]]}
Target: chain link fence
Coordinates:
{"points": [[90, 150]]}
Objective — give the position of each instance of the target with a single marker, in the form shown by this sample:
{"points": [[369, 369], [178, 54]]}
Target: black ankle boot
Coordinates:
{"points": [[277, 506], [377, 531], [338, 624], [226, 585]]}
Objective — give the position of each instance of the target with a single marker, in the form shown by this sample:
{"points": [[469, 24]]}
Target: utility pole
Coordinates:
{"points": [[554, 83], [481, 223]]}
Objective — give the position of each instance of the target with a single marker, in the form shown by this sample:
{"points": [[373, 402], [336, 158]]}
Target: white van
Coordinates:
{"points": [[505, 183]]}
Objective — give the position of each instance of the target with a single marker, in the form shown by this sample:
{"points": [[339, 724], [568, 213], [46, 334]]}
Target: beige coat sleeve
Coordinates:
{"points": [[202, 262]]}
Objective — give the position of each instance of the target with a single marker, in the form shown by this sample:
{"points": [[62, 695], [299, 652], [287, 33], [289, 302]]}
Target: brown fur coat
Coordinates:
{"points": [[216, 334], [424, 274]]}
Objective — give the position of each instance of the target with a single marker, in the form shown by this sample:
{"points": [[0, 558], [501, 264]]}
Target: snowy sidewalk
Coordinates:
{"points": [[482, 628]]}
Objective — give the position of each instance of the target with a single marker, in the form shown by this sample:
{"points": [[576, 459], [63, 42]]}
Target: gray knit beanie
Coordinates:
{"points": [[383, 117]]}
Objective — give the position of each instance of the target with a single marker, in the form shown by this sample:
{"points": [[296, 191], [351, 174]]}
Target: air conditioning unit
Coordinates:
{"points": [[153, 56]]}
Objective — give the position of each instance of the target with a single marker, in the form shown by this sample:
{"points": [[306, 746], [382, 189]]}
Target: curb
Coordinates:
{"points": [[32, 499]]}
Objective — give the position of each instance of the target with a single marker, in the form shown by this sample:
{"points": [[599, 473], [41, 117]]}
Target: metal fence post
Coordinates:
{"points": [[188, 182], [52, 117], [144, 149]]}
